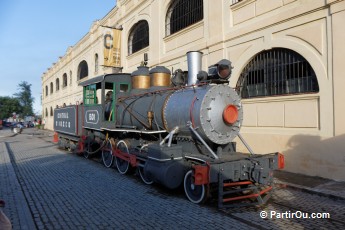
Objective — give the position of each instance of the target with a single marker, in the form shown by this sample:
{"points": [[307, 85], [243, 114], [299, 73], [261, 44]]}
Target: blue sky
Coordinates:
{"points": [[34, 33]]}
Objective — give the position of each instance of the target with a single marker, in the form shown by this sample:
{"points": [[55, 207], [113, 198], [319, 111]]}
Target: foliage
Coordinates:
{"points": [[25, 98], [21, 103], [8, 105]]}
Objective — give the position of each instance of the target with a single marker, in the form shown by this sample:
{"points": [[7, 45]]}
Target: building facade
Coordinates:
{"points": [[287, 57]]}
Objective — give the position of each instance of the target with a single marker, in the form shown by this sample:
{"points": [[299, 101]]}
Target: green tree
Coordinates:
{"points": [[8, 106], [25, 98]]}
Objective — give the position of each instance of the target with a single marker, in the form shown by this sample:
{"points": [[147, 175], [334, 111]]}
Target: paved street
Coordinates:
{"points": [[46, 188]]}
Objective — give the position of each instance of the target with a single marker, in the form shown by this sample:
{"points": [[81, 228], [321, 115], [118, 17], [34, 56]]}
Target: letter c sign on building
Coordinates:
{"points": [[112, 47]]}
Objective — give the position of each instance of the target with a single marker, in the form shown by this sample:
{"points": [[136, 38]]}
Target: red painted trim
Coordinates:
{"points": [[201, 174], [237, 183], [248, 196], [132, 159], [77, 125], [281, 161]]}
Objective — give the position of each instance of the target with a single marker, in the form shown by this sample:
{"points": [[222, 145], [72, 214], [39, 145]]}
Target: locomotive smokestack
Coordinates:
{"points": [[194, 66]]}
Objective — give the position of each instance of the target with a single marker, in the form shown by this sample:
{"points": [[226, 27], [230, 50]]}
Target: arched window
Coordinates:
{"points": [[46, 90], [51, 111], [138, 37], [51, 87], [183, 13], [64, 80], [277, 72], [96, 63], [83, 70], [46, 112], [57, 83]]}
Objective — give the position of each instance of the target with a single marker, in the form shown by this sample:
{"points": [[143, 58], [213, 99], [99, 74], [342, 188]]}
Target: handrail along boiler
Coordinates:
{"points": [[173, 129]]}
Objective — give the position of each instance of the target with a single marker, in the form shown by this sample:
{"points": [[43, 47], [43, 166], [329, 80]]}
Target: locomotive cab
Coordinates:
{"points": [[99, 98]]}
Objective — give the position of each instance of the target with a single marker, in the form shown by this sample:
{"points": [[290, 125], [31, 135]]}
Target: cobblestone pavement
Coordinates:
{"points": [[46, 188]]}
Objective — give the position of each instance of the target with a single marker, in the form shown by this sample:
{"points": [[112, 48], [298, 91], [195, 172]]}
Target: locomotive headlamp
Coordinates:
{"points": [[220, 70], [224, 69]]}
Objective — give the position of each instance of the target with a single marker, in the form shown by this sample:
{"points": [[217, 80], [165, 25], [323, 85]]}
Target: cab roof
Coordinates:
{"points": [[101, 78]]}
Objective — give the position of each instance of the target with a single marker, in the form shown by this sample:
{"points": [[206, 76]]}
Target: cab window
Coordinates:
{"points": [[90, 94]]}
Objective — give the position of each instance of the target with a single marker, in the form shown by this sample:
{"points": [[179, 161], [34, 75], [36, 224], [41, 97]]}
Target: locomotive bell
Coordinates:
{"points": [[141, 78]]}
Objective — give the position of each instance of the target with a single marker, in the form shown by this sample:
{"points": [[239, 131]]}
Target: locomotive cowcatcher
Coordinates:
{"points": [[172, 129]]}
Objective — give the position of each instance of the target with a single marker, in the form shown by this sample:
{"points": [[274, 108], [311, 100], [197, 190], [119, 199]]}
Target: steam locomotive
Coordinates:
{"points": [[171, 129]]}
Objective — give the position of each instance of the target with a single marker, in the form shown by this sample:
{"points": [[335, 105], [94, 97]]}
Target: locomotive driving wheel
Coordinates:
{"points": [[121, 164], [195, 193], [143, 176], [107, 154]]}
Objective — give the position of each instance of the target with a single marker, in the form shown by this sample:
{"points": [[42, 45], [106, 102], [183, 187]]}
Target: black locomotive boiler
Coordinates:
{"points": [[173, 130]]}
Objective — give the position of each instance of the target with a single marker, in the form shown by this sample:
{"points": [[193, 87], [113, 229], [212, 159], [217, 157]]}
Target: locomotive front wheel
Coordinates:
{"points": [[195, 193], [122, 165], [143, 177], [107, 155]]}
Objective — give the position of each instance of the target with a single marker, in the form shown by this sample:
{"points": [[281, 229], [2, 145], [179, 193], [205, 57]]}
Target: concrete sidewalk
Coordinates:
{"points": [[316, 185]]}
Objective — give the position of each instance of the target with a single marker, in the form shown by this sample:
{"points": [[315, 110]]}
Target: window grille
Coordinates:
{"points": [[138, 37], [64, 80], [183, 13], [277, 72]]}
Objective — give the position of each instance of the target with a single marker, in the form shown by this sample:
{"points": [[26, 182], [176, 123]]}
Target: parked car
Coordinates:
{"points": [[7, 124]]}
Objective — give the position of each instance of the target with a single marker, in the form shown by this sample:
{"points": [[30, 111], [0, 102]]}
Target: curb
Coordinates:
{"points": [[20, 203]]}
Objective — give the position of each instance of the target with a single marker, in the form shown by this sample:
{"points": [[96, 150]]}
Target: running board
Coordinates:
{"points": [[235, 195]]}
